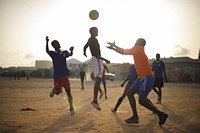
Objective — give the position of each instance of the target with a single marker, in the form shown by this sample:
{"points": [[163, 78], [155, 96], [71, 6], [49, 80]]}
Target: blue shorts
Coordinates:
{"points": [[128, 85], [103, 80], [143, 85]]}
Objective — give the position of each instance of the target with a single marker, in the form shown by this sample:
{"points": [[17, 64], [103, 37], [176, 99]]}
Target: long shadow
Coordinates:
{"points": [[66, 122], [181, 122], [124, 128], [151, 127], [87, 127], [63, 124]]}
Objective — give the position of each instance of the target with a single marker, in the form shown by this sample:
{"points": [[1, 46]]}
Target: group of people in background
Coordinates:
{"points": [[142, 77]]}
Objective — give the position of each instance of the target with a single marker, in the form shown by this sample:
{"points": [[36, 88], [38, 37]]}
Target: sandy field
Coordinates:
{"points": [[51, 115]]}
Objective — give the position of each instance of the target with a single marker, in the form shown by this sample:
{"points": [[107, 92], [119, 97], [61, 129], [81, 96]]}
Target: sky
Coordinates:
{"points": [[170, 27]]}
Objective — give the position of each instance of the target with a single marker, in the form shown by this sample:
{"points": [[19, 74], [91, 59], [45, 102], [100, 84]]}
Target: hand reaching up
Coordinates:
{"points": [[47, 39], [112, 45], [71, 48]]}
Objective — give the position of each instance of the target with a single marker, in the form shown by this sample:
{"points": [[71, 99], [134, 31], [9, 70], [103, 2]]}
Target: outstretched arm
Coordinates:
{"points": [[115, 47], [47, 46], [107, 61]]}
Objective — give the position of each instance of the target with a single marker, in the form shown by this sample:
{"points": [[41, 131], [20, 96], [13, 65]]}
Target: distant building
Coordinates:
{"points": [[27, 68], [74, 63], [45, 67], [178, 69], [182, 69], [120, 70], [43, 64]]}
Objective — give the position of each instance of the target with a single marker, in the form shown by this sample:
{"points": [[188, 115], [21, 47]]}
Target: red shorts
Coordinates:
{"points": [[62, 82]]}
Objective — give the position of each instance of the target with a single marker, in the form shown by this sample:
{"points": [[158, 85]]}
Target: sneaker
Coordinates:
{"points": [[55, 91], [113, 110], [158, 101], [51, 93], [58, 91], [101, 95], [71, 109], [162, 119], [96, 105], [132, 121]]}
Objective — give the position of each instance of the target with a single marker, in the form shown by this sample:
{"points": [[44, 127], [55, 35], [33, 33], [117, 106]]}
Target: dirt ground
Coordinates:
{"points": [[51, 115]]}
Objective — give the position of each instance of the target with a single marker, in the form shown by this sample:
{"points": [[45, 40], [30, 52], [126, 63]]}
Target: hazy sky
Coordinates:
{"points": [[170, 27]]}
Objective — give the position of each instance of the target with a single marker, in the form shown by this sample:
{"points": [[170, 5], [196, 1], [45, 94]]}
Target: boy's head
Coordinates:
{"points": [[94, 31], [157, 56], [55, 44], [140, 42]]}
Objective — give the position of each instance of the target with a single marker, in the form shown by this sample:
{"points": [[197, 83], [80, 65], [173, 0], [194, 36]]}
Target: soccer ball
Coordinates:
{"points": [[94, 14]]}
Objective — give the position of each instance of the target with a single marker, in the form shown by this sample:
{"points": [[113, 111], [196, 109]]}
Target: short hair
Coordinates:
{"points": [[157, 54], [141, 42], [54, 42], [93, 29]]}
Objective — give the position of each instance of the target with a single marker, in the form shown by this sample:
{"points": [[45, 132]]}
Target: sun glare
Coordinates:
{"points": [[146, 19], [123, 21]]}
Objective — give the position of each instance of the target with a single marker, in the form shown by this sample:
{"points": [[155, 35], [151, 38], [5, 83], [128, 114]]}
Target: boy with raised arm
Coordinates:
{"points": [[96, 62], [61, 71]]}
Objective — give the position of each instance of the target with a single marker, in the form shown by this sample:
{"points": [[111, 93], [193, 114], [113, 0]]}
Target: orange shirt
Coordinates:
{"points": [[142, 65]]}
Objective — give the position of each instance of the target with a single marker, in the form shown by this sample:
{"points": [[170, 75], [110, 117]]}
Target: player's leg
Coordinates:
{"points": [[144, 89], [144, 102], [101, 92], [57, 88], [156, 83], [156, 91], [97, 66], [82, 83], [96, 89], [70, 100], [160, 85], [160, 95], [130, 94], [148, 100], [134, 119], [162, 116], [104, 86], [119, 101], [157, 88], [66, 84]]}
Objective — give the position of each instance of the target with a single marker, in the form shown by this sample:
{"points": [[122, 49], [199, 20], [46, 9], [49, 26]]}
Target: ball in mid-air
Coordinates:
{"points": [[94, 14]]}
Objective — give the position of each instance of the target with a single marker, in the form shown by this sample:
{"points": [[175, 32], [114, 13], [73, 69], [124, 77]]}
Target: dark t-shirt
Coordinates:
{"points": [[59, 63], [82, 74], [158, 68]]}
